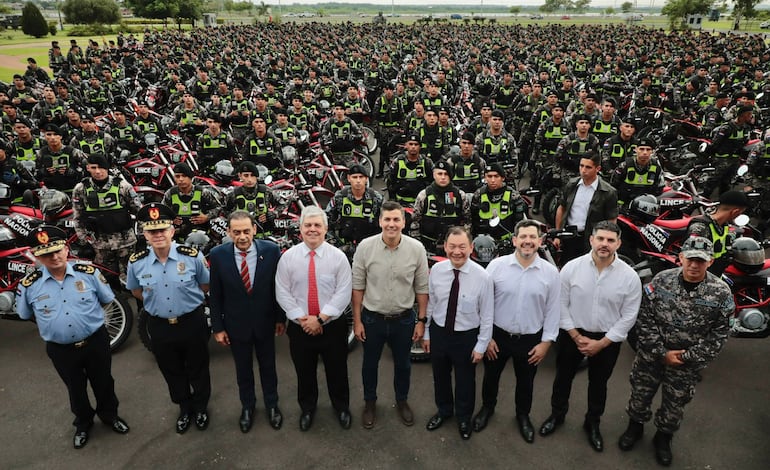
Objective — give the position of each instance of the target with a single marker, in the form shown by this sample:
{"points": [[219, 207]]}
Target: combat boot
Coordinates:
{"points": [[662, 443], [633, 433]]}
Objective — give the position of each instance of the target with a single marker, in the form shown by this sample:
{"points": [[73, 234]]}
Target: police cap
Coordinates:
{"points": [[248, 167], [698, 247], [357, 170], [646, 142], [100, 160], [155, 216], [46, 239], [445, 166], [183, 169], [495, 168]]}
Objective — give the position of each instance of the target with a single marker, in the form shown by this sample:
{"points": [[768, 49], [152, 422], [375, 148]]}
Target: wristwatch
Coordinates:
{"points": [[423, 320], [320, 320]]}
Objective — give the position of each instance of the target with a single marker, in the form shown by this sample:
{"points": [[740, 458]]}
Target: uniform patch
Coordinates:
{"points": [[187, 250], [138, 255], [29, 279], [649, 289], [80, 286], [102, 279], [84, 268], [180, 267]]}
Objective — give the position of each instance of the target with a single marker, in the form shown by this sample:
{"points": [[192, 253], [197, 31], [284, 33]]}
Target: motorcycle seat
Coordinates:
{"points": [[675, 224]]}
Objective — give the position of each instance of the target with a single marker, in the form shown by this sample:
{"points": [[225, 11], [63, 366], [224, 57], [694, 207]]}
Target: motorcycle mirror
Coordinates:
{"points": [[741, 220], [759, 96], [494, 221], [657, 114], [268, 179], [742, 170], [702, 147]]}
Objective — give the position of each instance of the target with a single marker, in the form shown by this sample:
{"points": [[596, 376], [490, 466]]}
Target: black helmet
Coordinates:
{"points": [[645, 207], [484, 249], [748, 255], [53, 201]]}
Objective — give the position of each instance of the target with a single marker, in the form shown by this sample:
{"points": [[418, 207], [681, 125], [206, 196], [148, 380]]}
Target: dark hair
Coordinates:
{"points": [[239, 215], [458, 230], [606, 225], [595, 158], [526, 223], [392, 206]]}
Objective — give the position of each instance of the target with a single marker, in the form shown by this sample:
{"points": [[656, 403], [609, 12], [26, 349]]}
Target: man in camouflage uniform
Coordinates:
{"points": [[103, 206], [682, 325], [193, 204], [354, 212]]}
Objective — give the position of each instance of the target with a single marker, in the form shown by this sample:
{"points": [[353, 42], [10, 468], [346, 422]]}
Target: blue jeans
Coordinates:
{"points": [[397, 334]]}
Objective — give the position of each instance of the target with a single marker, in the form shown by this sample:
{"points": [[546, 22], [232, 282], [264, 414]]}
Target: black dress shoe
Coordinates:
{"points": [[525, 428], [80, 439], [594, 436], [434, 422], [550, 425], [662, 443], [306, 420], [201, 420], [183, 423], [345, 419], [465, 430], [120, 426], [482, 418], [275, 417], [246, 419]]}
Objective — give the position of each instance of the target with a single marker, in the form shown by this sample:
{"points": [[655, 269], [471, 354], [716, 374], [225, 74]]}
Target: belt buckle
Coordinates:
{"points": [[80, 344], [173, 321]]}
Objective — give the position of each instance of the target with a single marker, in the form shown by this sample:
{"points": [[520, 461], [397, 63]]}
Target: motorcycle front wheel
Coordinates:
{"points": [[118, 319]]}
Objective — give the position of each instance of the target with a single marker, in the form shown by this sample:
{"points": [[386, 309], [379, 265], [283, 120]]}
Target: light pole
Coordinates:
{"points": [[58, 9]]}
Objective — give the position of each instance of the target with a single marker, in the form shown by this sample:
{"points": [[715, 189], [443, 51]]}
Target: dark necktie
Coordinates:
{"points": [[245, 272], [312, 289], [451, 309]]}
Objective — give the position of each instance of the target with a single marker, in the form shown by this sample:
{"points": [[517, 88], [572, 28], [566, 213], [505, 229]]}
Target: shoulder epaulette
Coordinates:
{"points": [[187, 250], [30, 278], [84, 268], [138, 255]]}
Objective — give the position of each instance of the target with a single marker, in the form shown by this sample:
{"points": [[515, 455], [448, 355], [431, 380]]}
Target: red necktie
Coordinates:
{"points": [[451, 309], [312, 289], [245, 273]]}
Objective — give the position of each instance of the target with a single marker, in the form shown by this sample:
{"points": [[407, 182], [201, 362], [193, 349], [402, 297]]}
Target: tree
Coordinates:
{"points": [[189, 10], [551, 6], [514, 10], [91, 11], [32, 21], [609, 11], [626, 7], [743, 9], [158, 9], [677, 10]]}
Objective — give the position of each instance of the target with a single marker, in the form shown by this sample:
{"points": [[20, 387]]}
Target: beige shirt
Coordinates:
{"points": [[390, 278]]}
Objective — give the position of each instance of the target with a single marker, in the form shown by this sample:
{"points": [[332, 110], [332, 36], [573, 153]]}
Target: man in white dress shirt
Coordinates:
{"points": [[600, 298], [527, 310], [316, 327], [460, 312]]}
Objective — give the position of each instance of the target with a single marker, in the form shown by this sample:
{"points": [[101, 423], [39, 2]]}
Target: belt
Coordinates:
{"points": [[175, 320], [82, 342], [516, 335], [391, 316]]}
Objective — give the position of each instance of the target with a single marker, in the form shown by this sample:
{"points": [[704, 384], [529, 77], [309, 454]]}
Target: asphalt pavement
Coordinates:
{"points": [[726, 426]]}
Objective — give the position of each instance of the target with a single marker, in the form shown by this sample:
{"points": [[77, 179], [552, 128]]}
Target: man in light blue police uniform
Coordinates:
{"points": [[66, 302], [172, 281]]}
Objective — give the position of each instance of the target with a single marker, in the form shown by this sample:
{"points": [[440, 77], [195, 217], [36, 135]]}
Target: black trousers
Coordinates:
{"points": [[78, 366], [243, 351], [182, 353], [332, 347], [600, 368], [516, 348], [452, 350], [574, 247]]}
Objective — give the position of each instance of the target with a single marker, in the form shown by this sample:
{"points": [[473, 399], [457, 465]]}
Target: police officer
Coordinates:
{"points": [[146, 123], [496, 199], [682, 326], [261, 146], [619, 147], [725, 148], [409, 173], [341, 134], [715, 227], [575, 146], [468, 166], [439, 206], [59, 166], [124, 134], [389, 114], [92, 140], [355, 209], [495, 144], [194, 205], [172, 280], [253, 197], [215, 145], [547, 138], [66, 301], [639, 175], [103, 206]]}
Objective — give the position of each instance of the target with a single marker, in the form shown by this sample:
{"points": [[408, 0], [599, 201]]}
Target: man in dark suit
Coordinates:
{"points": [[245, 314]]}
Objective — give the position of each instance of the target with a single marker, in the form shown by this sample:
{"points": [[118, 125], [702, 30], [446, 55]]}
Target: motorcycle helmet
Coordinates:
{"points": [[198, 239], [7, 238], [53, 201], [484, 249], [748, 255], [289, 154], [645, 207], [224, 170]]}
